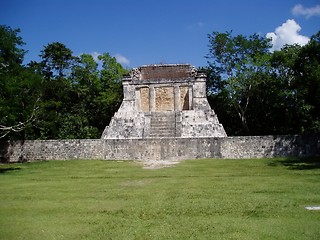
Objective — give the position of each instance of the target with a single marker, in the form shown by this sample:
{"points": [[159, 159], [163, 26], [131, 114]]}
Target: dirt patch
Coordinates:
{"points": [[157, 164]]}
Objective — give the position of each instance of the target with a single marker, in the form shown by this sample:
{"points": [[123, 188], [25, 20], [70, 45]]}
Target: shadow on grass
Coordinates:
{"points": [[300, 163], [9, 169]]}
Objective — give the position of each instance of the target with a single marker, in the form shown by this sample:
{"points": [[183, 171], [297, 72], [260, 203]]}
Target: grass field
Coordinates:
{"points": [[198, 199]]}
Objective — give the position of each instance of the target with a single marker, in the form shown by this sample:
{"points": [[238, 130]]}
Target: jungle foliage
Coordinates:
{"points": [[258, 92], [62, 96]]}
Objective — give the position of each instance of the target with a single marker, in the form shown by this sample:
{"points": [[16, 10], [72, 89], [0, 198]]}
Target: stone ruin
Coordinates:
{"points": [[164, 101]]}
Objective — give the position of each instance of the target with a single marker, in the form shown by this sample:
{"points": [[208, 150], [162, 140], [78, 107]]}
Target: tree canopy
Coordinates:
{"points": [[257, 92], [62, 96]]}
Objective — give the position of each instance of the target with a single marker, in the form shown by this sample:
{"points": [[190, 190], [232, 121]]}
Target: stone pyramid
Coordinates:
{"points": [[164, 101]]}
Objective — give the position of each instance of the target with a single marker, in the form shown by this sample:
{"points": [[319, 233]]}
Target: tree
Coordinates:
{"points": [[56, 60], [272, 93], [57, 93], [284, 103], [307, 85], [238, 64], [79, 99], [99, 91], [61, 96], [11, 53], [298, 68], [110, 95], [86, 86], [20, 87]]}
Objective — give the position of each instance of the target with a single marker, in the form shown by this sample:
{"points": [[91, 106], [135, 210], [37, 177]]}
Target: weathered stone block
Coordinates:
{"points": [[144, 95], [164, 99]]}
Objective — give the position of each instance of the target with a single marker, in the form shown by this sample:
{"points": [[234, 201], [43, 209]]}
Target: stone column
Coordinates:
{"points": [[152, 99], [200, 101], [177, 98], [128, 103], [128, 93], [190, 92], [200, 86], [138, 100]]}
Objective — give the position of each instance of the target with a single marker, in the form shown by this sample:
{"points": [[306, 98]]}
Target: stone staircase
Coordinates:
{"points": [[163, 125]]}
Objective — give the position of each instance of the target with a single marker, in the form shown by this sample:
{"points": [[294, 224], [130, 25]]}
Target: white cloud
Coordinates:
{"points": [[307, 12], [122, 59], [95, 56], [287, 33]]}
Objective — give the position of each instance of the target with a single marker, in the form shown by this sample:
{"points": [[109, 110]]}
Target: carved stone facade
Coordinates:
{"points": [[164, 101]]}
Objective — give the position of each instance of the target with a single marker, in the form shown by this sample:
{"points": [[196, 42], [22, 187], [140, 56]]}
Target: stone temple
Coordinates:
{"points": [[164, 101]]}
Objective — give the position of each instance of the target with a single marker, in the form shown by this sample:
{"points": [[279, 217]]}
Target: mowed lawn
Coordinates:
{"points": [[196, 199]]}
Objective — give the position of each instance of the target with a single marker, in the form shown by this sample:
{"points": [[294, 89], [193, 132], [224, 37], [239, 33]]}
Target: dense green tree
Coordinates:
{"points": [[79, 98], [20, 87], [11, 53], [276, 93], [61, 96], [57, 60], [298, 67], [110, 96], [87, 86], [307, 85], [54, 67], [237, 66], [285, 106]]}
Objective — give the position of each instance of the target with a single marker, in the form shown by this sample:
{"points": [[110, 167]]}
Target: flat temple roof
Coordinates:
{"points": [[166, 71]]}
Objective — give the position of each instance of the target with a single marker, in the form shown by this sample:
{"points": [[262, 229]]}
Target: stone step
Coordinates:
{"points": [[152, 135], [172, 124], [162, 124], [163, 131], [167, 113], [163, 116], [163, 128], [169, 124], [162, 120], [154, 119]]}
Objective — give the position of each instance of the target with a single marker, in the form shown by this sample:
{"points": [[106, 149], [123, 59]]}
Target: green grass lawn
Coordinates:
{"points": [[198, 199]]}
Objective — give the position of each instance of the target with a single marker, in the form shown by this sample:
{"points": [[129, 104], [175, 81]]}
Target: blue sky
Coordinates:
{"points": [[152, 31]]}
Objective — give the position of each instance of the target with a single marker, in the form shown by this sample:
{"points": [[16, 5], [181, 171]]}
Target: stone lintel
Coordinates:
{"points": [[166, 71], [188, 80]]}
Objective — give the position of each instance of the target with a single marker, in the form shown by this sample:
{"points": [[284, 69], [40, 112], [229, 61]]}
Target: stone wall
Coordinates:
{"points": [[161, 149], [270, 146], [21, 151]]}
